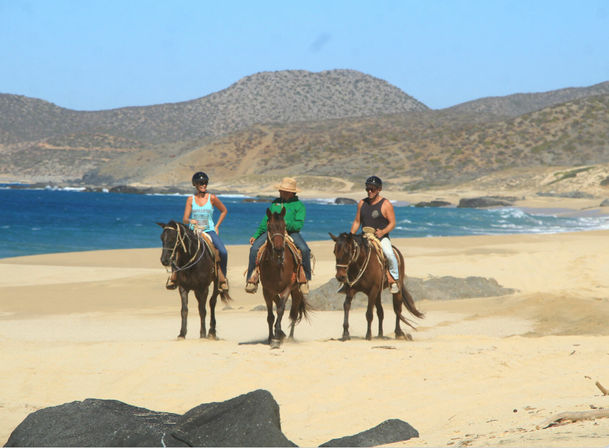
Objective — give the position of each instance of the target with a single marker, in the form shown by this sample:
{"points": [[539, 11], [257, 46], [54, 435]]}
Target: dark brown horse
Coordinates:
{"points": [[278, 275], [361, 270], [193, 264]]}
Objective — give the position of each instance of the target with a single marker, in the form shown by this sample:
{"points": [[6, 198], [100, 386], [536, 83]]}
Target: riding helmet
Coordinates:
{"points": [[374, 181], [199, 178]]}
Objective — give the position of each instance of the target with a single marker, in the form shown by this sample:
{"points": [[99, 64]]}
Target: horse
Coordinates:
{"points": [[361, 269], [193, 264], [279, 279]]}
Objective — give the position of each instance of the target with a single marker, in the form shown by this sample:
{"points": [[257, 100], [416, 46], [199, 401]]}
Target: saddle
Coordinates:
{"points": [[296, 253], [378, 250], [215, 255]]}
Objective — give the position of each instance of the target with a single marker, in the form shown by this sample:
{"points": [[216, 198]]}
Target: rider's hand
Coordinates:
{"points": [[217, 230], [252, 240], [378, 233], [193, 222]]}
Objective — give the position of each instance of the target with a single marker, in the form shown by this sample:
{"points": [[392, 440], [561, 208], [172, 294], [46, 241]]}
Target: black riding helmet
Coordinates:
{"points": [[199, 178], [374, 181]]}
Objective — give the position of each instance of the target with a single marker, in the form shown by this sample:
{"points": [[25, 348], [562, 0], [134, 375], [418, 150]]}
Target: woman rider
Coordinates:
{"points": [[198, 214]]}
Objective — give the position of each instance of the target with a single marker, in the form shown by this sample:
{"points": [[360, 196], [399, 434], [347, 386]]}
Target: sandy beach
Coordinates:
{"points": [[479, 372]]}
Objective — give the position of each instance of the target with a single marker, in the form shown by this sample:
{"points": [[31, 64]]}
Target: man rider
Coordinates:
{"points": [[294, 220], [377, 212]]}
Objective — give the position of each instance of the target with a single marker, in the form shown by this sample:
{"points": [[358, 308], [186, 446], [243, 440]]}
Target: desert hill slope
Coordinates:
{"points": [[338, 124], [268, 97]]}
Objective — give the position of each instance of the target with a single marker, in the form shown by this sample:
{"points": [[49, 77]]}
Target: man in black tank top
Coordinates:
{"points": [[377, 212]]}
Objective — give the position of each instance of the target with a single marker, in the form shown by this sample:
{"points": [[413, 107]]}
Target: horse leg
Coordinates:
{"points": [[380, 313], [280, 302], [346, 308], [369, 316], [270, 318], [201, 295], [183, 312], [297, 299], [212, 315]]}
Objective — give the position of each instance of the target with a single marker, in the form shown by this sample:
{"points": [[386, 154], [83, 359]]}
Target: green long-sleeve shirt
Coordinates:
{"points": [[294, 215]]}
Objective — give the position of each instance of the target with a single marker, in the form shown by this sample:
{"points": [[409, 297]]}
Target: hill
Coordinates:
{"points": [[337, 124]]}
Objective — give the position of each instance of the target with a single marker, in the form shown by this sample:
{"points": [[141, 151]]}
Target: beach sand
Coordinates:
{"points": [[479, 372]]}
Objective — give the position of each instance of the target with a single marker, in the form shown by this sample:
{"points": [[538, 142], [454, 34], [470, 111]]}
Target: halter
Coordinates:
{"points": [[180, 239], [353, 258]]}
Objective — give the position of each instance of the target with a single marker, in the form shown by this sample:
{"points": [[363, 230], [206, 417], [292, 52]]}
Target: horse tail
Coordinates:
{"points": [[300, 308], [407, 299]]}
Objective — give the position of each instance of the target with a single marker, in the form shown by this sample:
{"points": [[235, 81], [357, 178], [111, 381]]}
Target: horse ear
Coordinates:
{"points": [[283, 210], [268, 213], [161, 224], [332, 236]]}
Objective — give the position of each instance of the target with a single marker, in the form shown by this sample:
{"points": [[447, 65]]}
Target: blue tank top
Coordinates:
{"points": [[204, 216]]}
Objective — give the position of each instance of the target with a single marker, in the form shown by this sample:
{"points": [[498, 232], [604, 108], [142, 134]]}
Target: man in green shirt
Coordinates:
{"points": [[294, 220]]}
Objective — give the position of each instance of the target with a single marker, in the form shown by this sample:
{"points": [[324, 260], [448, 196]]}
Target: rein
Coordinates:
{"points": [[180, 239], [352, 259]]}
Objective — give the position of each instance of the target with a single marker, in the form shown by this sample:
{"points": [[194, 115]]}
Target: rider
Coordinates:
{"points": [[198, 214], [294, 220], [377, 212]]}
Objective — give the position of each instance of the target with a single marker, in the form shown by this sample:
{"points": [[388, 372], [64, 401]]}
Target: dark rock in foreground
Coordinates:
{"points": [[390, 431], [95, 422], [248, 420]]}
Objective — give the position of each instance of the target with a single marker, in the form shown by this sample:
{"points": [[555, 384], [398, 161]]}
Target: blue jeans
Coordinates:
{"points": [[298, 240], [221, 249]]}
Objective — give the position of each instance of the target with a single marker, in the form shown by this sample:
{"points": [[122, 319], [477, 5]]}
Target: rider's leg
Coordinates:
{"points": [[392, 261], [252, 283], [223, 256], [306, 252]]}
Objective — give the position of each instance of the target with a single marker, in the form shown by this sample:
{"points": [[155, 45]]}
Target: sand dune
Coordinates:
{"points": [[479, 372]]}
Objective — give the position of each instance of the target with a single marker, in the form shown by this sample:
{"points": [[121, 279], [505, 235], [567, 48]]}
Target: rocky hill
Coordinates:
{"points": [[522, 103], [336, 124], [269, 97]]}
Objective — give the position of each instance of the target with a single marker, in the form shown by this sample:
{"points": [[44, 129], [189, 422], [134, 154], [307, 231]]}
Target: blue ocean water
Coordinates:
{"points": [[48, 221]]}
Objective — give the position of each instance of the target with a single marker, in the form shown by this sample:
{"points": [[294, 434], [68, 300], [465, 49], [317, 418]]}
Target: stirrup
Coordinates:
{"points": [[394, 288], [304, 288], [223, 286], [251, 287]]}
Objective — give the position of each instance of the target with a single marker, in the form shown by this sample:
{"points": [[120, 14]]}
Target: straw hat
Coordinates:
{"points": [[288, 184]]}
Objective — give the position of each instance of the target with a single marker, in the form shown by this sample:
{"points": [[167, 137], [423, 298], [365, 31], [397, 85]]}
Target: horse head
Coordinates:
{"points": [[172, 239], [346, 251], [276, 233]]}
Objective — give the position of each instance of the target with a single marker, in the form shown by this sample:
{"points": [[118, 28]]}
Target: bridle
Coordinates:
{"points": [[353, 257], [180, 239]]}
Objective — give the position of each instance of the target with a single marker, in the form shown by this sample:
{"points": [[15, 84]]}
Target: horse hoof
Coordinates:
{"points": [[181, 337], [275, 343], [212, 336]]}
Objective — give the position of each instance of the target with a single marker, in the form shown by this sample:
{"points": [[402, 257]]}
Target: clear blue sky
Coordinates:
{"points": [[103, 54]]}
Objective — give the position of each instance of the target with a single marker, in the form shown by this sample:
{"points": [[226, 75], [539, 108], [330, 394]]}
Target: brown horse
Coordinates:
{"points": [[193, 264], [361, 270], [278, 275]]}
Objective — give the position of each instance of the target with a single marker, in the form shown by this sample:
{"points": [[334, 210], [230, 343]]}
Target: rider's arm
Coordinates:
{"points": [[356, 222], [187, 211], [220, 206], [295, 220], [389, 213]]}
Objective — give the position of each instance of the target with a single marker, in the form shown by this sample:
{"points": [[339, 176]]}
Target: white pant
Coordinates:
{"points": [[391, 258]]}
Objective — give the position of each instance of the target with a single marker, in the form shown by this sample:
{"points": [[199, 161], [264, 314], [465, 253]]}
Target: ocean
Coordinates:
{"points": [[59, 220]]}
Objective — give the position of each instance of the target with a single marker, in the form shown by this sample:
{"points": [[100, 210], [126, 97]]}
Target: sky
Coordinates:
{"points": [[105, 54]]}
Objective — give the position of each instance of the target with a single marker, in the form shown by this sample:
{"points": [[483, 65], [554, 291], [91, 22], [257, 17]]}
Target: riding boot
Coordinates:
{"points": [[171, 281], [252, 283], [222, 281], [304, 289], [393, 285]]}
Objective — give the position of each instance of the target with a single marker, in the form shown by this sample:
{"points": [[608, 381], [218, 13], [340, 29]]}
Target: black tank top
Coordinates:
{"points": [[371, 216]]}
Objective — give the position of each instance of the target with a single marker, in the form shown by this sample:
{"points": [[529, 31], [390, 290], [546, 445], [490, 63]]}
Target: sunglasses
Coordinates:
{"points": [[201, 183], [373, 189]]}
